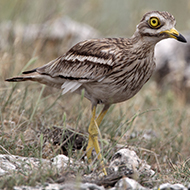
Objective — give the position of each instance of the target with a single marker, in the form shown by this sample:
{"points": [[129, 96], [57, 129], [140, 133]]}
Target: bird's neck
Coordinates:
{"points": [[141, 47], [145, 42]]}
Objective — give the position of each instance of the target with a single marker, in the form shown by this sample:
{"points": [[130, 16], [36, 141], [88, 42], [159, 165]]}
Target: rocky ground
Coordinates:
{"points": [[125, 169], [124, 172]]}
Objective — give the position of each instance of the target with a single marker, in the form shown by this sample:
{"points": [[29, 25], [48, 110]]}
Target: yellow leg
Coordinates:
{"points": [[93, 136], [91, 129], [101, 116]]}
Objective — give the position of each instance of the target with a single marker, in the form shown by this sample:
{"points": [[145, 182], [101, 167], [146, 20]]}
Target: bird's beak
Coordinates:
{"points": [[173, 33]]}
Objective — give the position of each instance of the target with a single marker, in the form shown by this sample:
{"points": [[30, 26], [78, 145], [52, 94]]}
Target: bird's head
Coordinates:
{"points": [[156, 25]]}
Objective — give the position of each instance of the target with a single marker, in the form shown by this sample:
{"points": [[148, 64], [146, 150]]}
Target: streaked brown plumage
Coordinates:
{"points": [[111, 70]]}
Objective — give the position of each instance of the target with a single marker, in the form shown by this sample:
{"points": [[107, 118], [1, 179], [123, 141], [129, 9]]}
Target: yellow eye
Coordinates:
{"points": [[154, 22]]}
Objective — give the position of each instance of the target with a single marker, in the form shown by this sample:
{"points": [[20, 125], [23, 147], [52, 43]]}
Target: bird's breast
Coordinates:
{"points": [[122, 84]]}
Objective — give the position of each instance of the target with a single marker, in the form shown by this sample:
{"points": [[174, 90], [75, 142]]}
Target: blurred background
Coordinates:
{"points": [[109, 17]]}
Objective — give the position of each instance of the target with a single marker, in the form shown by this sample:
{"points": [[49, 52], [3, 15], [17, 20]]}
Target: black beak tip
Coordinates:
{"points": [[181, 38]]}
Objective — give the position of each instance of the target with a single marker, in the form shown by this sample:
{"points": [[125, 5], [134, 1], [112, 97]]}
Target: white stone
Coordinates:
{"points": [[127, 162], [61, 161], [127, 183]]}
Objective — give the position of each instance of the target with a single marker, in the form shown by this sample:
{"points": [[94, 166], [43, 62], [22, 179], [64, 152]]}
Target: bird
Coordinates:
{"points": [[107, 70]]}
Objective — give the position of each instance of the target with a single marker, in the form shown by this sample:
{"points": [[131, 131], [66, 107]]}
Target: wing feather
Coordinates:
{"points": [[70, 86], [88, 60]]}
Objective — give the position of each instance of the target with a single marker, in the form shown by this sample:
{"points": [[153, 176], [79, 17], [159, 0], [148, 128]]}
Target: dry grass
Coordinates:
{"points": [[27, 106]]}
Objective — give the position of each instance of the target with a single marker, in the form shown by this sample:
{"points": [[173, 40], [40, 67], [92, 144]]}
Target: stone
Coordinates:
{"points": [[9, 163], [168, 186], [126, 162], [66, 186], [61, 161], [126, 184]]}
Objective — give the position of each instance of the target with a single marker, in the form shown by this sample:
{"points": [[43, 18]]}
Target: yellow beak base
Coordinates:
{"points": [[173, 33]]}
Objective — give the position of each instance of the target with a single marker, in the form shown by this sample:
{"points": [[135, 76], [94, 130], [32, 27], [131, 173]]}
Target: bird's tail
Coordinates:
{"points": [[27, 76], [33, 75], [18, 79]]}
